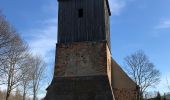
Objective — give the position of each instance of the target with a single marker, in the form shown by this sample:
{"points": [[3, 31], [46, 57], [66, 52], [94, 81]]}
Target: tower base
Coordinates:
{"points": [[80, 88]]}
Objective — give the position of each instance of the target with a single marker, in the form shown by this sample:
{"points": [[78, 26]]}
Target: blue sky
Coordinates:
{"points": [[135, 25]]}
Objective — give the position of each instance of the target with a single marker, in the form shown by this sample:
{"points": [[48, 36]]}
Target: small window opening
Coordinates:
{"points": [[80, 13]]}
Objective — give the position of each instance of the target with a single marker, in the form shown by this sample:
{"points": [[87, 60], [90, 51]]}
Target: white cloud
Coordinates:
{"points": [[42, 40], [163, 24], [161, 28], [116, 6], [43, 37]]}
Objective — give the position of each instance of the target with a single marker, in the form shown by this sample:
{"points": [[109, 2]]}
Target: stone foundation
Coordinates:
{"points": [[80, 88], [125, 94]]}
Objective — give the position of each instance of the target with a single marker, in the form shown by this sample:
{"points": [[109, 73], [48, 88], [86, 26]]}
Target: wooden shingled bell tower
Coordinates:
{"points": [[83, 57]]}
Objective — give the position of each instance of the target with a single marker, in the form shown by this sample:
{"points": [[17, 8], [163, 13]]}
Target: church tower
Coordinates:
{"points": [[83, 20], [83, 57]]}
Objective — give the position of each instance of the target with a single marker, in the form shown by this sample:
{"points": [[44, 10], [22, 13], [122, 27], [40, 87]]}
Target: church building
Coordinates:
{"points": [[84, 68]]}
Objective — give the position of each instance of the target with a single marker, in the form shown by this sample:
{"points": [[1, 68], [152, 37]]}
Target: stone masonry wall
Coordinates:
{"points": [[125, 94], [81, 59], [124, 88], [81, 72], [80, 88]]}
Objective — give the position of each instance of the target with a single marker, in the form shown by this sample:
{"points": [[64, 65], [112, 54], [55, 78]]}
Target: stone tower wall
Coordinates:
{"points": [[83, 59]]}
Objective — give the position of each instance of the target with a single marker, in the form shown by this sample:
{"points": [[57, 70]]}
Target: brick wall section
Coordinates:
{"points": [[124, 88], [81, 72], [81, 59], [125, 94]]}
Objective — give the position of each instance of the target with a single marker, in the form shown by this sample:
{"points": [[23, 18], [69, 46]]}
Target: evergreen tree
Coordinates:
{"points": [[164, 98], [158, 97]]}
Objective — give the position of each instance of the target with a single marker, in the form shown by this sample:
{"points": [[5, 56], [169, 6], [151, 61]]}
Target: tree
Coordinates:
{"points": [[17, 66], [12, 53], [37, 74], [2, 95], [12, 74], [26, 76], [164, 97], [158, 97], [142, 71], [12, 50], [168, 85], [17, 95], [6, 38]]}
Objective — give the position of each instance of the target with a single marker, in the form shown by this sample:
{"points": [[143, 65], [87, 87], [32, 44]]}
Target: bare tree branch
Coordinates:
{"points": [[12, 52], [142, 71], [37, 74]]}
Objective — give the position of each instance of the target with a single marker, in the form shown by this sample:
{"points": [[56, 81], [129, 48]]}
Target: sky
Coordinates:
{"points": [[135, 25]]}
